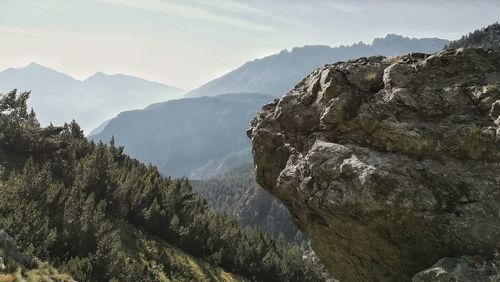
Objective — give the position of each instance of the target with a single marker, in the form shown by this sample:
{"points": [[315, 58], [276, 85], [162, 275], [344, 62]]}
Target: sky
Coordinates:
{"points": [[185, 43]]}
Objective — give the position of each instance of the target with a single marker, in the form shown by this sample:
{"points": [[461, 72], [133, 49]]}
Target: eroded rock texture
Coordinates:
{"points": [[10, 251], [389, 164], [465, 268]]}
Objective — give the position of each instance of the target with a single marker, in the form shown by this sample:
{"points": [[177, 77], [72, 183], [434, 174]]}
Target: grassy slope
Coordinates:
{"points": [[168, 262], [41, 274]]}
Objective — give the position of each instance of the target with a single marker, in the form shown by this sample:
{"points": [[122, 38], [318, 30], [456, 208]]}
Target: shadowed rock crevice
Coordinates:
{"points": [[389, 164]]}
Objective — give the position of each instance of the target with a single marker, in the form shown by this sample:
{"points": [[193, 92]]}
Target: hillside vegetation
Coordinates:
{"points": [[487, 37], [95, 213], [237, 193]]}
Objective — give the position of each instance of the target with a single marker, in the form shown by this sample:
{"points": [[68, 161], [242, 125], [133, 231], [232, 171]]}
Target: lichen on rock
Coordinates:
{"points": [[389, 164], [465, 268]]}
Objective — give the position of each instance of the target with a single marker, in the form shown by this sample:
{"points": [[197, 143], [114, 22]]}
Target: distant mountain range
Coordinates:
{"points": [[59, 98], [205, 136], [194, 137], [276, 74]]}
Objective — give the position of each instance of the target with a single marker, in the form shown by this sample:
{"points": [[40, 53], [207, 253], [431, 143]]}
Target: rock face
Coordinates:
{"points": [[389, 164], [9, 250], [465, 268]]}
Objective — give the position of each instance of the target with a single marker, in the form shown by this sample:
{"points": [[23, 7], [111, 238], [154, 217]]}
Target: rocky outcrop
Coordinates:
{"points": [[465, 268], [389, 164], [10, 251]]}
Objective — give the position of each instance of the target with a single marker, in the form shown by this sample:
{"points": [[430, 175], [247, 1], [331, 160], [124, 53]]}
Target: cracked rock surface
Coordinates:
{"points": [[388, 164], [465, 268]]}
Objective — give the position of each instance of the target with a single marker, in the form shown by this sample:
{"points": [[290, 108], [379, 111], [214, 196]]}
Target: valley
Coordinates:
{"points": [[301, 158]]}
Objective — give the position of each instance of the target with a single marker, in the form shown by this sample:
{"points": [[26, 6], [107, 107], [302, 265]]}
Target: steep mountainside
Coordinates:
{"points": [[392, 163], [236, 192], [97, 214], [59, 98], [195, 137], [278, 73], [488, 37]]}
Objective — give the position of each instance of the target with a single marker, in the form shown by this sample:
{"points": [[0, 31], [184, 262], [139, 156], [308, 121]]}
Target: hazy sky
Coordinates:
{"points": [[185, 43]]}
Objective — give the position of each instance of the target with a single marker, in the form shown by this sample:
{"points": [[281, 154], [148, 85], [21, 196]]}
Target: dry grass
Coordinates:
{"points": [[7, 278], [393, 60], [490, 88], [370, 76]]}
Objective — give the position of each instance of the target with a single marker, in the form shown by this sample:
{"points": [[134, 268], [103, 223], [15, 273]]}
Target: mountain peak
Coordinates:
{"points": [[98, 74], [37, 66], [34, 64], [40, 69], [32, 70], [393, 35]]}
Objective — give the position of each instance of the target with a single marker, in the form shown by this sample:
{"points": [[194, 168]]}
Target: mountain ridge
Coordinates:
{"points": [[209, 133], [58, 97], [284, 69], [275, 74]]}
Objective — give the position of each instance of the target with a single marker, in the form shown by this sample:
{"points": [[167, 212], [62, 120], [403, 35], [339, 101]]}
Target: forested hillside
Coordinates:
{"points": [[95, 213], [486, 37], [237, 193]]}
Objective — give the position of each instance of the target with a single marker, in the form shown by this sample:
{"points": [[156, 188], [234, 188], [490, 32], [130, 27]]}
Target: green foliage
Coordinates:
{"points": [[236, 192], [70, 201], [488, 37]]}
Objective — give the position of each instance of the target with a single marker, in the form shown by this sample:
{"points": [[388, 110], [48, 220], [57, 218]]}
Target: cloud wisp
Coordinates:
{"points": [[194, 12]]}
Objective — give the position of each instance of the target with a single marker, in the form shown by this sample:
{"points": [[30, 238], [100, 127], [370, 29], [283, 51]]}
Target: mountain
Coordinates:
{"points": [[392, 164], [278, 73], [58, 97], [91, 211], [200, 151], [99, 128], [236, 193], [487, 37], [194, 137]]}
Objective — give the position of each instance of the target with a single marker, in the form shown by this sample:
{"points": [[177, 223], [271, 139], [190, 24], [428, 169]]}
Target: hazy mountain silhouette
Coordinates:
{"points": [[278, 73], [206, 136], [59, 98], [194, 137]]}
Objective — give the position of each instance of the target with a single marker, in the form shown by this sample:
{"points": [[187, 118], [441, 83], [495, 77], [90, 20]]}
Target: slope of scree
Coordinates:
{"points": [[388, 164]]}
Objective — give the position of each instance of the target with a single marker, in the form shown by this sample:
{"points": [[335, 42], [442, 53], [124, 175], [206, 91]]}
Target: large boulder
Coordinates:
{"points": [[389, 164], [10, 251]]}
